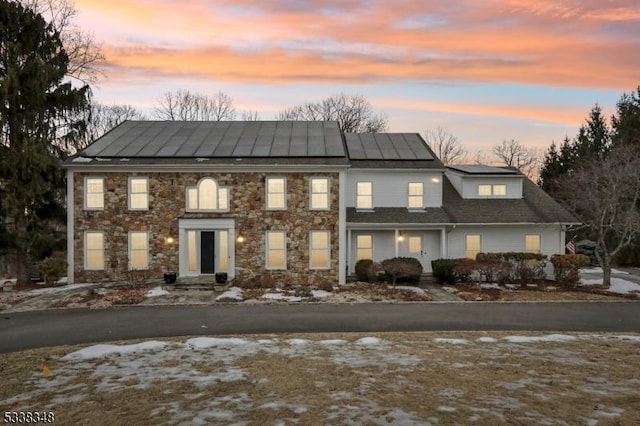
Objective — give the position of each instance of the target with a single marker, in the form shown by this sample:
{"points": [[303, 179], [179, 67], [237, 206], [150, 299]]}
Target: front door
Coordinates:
{"points": [[207, 252], [414, 243]]}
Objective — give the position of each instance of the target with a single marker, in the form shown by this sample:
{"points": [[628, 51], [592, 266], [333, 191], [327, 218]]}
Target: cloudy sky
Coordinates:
{"points": [[484, 70]]}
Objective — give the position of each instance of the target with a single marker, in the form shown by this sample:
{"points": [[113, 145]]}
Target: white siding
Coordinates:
{"points": [[504, 238], [391, 188], [467, 186]]}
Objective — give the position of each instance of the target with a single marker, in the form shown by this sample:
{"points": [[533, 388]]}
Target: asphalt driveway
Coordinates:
{"points": [[19, 331]]}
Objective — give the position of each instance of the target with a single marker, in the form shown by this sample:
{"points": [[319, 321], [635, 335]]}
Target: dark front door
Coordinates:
{"points": [[207, 252]]}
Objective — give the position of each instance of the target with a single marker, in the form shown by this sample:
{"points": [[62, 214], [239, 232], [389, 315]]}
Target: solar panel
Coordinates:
{"points": [[481, 169]]}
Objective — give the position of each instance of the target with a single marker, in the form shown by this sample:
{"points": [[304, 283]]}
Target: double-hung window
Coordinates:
{"points": [[416, 195], [532, 243], [364, 195], [93, 250], [138, 250], [473, 245], [276, 250], [94, 193], [319, 193], [276, 193], [487, 190], [138, 193], [319, 250], [364, 247]]}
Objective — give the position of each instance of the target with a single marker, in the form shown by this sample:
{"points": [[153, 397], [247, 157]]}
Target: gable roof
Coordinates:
{"points": [[535, 206]]}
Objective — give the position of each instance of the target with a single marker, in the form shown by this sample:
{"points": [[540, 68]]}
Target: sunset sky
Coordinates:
{"points": [[484, 70]]}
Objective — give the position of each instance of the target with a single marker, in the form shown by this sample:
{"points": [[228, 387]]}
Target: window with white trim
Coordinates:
{"points": [[416, 195], [364, 247], [207, 196], [276, 250], [415, 244], [276, 193], [364, 195], [94, 193], [319, 193], [94, 250], [138, 193], [473, 245], [532, 243], [138, 250], [319, 255], [497, 190]]}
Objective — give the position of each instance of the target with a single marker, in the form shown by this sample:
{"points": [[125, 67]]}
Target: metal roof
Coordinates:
{"points": [[479, 169], [219, 139], [387, 146]]}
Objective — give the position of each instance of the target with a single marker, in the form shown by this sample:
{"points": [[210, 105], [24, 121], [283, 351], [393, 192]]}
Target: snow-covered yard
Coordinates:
{"points": [[393, 378]]}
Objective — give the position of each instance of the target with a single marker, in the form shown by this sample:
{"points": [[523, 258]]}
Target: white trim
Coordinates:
{"points": [[328, 250], [130, 192], [70, 228], [266, 193], [370, 195], [372, 248], [327, 194], [196, 188], [409, 196], [130, 250], [185, 225], [266, 250], [466, 243], [524, 241], [84, 251], [343, 249], [84, 193]]}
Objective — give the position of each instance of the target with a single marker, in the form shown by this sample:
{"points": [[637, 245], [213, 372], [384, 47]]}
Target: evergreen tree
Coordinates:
{"points": [[35, 105], [626, 122]]}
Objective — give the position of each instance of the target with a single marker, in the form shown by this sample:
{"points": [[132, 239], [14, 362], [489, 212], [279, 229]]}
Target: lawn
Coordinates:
{"points": [[389, 378]]}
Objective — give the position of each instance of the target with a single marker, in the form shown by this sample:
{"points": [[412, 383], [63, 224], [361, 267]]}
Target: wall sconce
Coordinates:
{"points": [[401, 237], [436, 180], [169, 240], [240, 239]]}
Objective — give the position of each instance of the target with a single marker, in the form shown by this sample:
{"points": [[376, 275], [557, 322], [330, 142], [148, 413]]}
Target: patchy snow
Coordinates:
{"points": [[629, 338], [538, 339], [278, 296], [156, 291], [49, 290], [598, 270], [209, 342], [618, 285], [320, 294], [298, 342], [411, 288], [451, 341], [370, 341], [99, 351], [332, 342], [82, 160], [233, 293], [489, 286], [486, 340]]}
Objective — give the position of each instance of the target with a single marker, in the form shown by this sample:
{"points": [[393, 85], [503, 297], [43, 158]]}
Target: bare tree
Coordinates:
{"points": [[445, 145], [83, 51], [354, 113], [102, 118], [187, 106], [604, 194], [481, 158], [250, 115], [513, 154]]}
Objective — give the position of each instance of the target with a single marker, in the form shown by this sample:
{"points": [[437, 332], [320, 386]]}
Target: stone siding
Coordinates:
{"points": [[167, 205]]}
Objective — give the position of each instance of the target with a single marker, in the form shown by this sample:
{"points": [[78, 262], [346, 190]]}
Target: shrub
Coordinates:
{"points": [[376, 273], [325, 285], [402, 268], [464, 268], [53, 267], [566, 268], [443, 270], [362, 269], [490, 265]]}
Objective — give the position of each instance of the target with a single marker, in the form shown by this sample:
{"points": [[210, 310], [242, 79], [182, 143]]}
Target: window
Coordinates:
{"points": [[492, 190], [319, 250], [532, 243], [138, 250], [208, 196], [138, 194], [364, 247], [94, 193], [93, 250], [276, 199], [276, 250], [473, 246], [415, 195], [364, 198], [415, 244], [319, 194]]}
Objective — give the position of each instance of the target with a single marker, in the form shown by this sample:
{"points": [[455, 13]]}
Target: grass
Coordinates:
{"points": [[410, 377]]}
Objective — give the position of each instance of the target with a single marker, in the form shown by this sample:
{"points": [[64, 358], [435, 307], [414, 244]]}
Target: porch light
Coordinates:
{"points": [[240, 239], [400, 237], [169, 240], [435, 179]]}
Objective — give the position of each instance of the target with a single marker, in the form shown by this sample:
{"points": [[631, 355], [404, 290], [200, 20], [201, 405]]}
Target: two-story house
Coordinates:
{"points": [[300, 200]]}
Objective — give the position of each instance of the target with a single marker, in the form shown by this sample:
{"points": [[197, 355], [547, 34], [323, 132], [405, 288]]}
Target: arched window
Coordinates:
{"points": [[207, 195]]}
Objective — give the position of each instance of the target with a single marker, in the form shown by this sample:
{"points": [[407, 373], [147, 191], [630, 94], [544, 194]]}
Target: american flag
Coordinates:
{"points": [[571, 246]]}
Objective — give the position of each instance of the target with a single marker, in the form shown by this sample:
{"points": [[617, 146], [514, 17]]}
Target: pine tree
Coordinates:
{"points": [[35, 102], [626, 123]]}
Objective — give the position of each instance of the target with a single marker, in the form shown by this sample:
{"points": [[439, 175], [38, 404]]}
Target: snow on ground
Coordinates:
{"points": [[203, 363], [320, 294], [49, 290], [156, 291], [411, 288], [618, 285], [279, 296], [598, 270], [233, 293]]}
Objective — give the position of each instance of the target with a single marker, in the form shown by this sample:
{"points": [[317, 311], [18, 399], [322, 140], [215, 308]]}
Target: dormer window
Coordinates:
{"points": [[492, 190], [364, 195], [207, 196], [416, 192]]}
